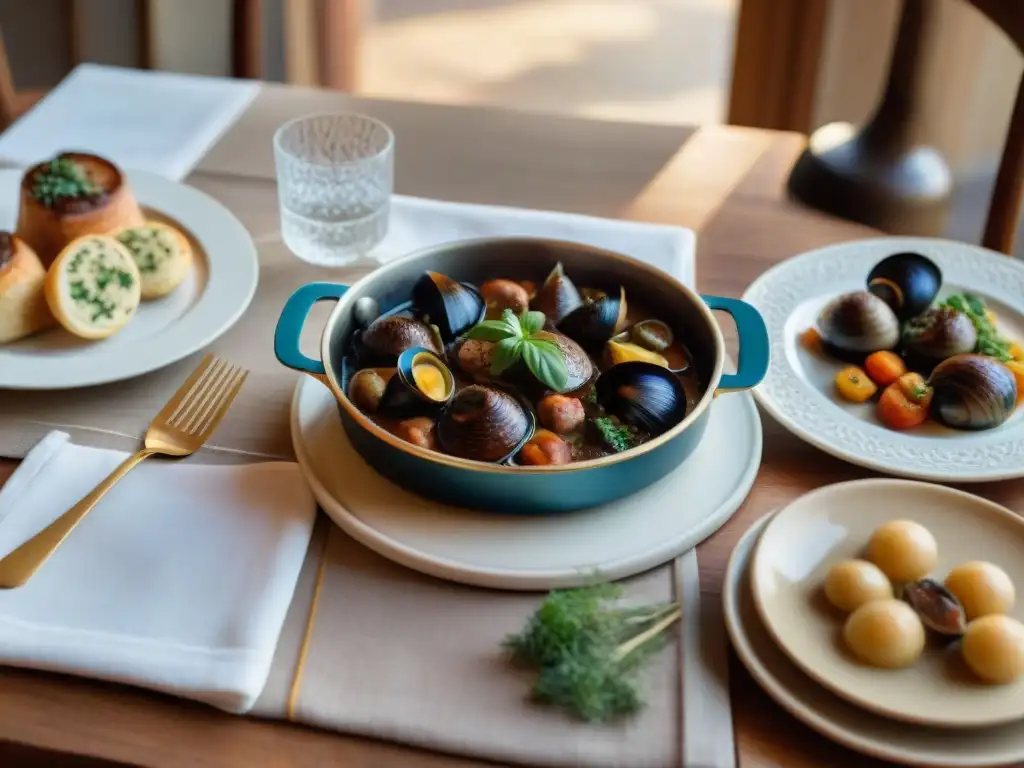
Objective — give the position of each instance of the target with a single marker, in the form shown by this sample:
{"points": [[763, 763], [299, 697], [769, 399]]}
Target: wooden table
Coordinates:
{"points": [[726, 183]]}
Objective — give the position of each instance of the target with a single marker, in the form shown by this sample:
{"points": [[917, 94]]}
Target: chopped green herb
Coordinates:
{"points": [[989, 342], [588, 650], [617, 436], [61, 179]]}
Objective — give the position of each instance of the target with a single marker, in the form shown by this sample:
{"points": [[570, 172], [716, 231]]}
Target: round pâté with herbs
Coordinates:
{"points": [[518, 373]]}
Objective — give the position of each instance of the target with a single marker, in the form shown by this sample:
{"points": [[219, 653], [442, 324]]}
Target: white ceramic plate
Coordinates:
{"points": [[835, 718], [530, 552], [799, 391], [834, 523], [207, 303]]}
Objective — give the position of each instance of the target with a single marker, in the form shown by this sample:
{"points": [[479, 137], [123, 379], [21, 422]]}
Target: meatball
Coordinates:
{"points": [[420, 431], [561, 414], [504, 294], [475, 356], [545, 448], [365, 389]]}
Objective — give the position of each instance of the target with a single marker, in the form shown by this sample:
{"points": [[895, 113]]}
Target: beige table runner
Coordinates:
{"points": [[418, 659]]}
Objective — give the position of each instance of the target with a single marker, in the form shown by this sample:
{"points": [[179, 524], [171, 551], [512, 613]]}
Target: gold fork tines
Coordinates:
{"points": [[180, 429]]}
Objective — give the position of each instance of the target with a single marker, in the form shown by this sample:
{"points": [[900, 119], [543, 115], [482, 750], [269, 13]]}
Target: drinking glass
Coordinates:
{"points": [[335, 173]]}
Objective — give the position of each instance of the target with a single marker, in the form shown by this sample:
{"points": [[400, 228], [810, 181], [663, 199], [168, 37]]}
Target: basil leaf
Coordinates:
{"points": [[545, 362], [507, 353], [509, 318], [532, 322], [491, 330]]}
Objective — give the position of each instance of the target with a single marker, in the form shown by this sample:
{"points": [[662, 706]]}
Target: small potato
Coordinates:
{"points": [[500, 295], [904, 550], [365, 389], [982, 589], [561, 414], [885, 634], [993, 647], [420, 431], [545, 448], [851, 583]]}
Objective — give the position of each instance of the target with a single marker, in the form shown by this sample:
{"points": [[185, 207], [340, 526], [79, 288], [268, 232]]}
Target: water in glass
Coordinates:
{"points": [[335, 174]]}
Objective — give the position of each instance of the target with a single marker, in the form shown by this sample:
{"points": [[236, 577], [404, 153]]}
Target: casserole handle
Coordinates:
{"points": [[293, 317], [753, 342]]}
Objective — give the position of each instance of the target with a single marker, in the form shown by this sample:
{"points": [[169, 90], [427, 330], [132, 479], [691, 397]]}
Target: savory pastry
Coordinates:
{"points": [[885, 633], [93, 287], [23, 309], [993, 647], [904, 550], [162, 254], [982, 588], [852, 583], [73, 195]]}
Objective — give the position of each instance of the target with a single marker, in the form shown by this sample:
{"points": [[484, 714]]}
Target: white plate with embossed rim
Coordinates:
{"points": [[799, 390], [833, 717], [208, 302]]}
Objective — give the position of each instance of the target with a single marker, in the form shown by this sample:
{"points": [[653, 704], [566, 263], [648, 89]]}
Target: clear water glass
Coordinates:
{"points": [[335, 175]]}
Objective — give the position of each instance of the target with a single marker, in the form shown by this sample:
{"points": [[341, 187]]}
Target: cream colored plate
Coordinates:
{"points": [[833, 523], [835, 718]]}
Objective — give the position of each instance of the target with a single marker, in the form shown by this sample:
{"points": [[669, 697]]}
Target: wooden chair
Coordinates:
{"points": [[12, 102]]}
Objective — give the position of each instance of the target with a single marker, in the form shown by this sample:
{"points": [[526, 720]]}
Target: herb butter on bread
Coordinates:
{"points": [[93, 287], [162, 254], [23, 309]]}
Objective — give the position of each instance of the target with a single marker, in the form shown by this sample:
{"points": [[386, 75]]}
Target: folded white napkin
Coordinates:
{"points": [[417, 223], [161, 122], [178, 581]]}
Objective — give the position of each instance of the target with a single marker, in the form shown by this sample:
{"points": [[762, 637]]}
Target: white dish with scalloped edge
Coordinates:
{"points": [[799, 390]]}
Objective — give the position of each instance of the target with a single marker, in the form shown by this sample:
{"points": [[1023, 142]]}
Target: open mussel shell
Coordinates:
{"points": [[422, 383], [644, 395], [907, 282], [484, 424], [452, 306], [622, 349], [972, 392], [557, 296], [938, 608], [591, 325], [938, 333], [854, 325], [651, 334], [389, 336]]}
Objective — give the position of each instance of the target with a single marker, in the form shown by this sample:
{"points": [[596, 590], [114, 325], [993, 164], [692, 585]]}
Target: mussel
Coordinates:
{"points": [[452, 306], [643, 395], [938, 333], [972, 392], [938, 608], [422, 383], [592, 324], [485, 424], [857, 324], [365, 311], [907, 282], [389, 336], [621, 351], [557, 296], [652, 334]]}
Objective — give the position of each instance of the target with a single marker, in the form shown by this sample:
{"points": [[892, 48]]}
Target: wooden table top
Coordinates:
{"points": [[724, 182]]}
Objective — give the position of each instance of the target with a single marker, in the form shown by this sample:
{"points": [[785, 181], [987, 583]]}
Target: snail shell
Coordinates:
{"points": [[858, 323], [484, 424], [972, 392], [939, 333], [389, 336]]}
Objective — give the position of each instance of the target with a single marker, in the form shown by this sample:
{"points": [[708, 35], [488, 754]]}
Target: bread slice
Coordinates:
{"points": [[23, 309], [93, 287], [162, 254]]}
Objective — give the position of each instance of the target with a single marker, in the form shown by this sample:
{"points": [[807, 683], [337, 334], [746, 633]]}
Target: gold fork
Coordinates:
{"points": [[180, 429]]}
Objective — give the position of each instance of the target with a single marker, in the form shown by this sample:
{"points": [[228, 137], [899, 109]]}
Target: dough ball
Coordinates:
{"points": [[904, 550], [851, 583], [993, 647], [885, 633], [982, 589]]}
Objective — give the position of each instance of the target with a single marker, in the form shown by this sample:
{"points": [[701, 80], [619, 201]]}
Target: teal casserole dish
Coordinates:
{"points": [[431, 386]]}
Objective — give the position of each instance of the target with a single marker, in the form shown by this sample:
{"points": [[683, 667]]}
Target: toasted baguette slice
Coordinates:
{"points": [[162, 254], [23, 309], [93, 287]]}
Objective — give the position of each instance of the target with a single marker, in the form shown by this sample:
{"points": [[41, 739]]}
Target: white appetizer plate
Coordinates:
{"points": [[834, 523], [799, 389], [207, 303], [835, 718], [536, 552]]}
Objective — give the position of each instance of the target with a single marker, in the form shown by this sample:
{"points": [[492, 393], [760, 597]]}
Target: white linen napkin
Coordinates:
{"points": [[161, 122], [416, 223], [178, 581]]}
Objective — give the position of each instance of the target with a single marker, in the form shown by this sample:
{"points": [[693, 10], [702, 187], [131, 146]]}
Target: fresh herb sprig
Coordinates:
{"points": [[989, 342], [61, 179], [618, 436], [588, 650], [517, 338]]}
